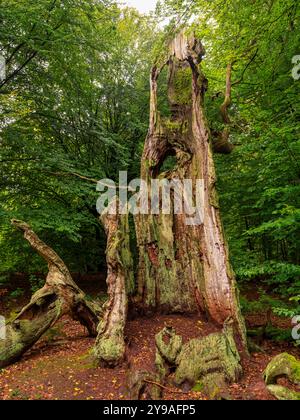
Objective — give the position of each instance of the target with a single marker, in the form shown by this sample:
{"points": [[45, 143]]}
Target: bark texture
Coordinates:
{"points": [[183, 267], [110, 345], [210, 362], [141, 385], [59, 296]]}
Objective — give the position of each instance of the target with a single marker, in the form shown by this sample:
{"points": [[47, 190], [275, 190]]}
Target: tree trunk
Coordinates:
{"points": [[110, 345], [59, 296], [182, 267]]}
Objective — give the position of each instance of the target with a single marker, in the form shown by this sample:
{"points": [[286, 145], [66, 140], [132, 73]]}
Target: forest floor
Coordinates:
{"points": [[59, 366]]}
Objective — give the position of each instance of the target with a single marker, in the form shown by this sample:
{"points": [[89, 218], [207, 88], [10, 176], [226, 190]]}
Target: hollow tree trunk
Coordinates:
{"points": [[59, 296], [184, 268], [110, 345]]}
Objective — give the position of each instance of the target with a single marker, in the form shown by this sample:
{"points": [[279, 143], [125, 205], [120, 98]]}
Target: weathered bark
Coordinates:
{"points": [[141, 385], [59, 296], [110, 345], [184, 268], [211, 362]]}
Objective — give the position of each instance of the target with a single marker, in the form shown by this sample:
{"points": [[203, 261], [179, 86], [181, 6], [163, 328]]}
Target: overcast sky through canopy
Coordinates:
{"points": [[144, 6]]}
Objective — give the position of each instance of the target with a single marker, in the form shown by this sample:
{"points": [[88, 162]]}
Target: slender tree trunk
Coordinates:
{"points": [[182, 267], [110, 345], [220, 140], [59, 296]]}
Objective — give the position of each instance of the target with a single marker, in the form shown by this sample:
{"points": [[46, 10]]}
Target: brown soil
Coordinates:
{"points": [[59, 365]]}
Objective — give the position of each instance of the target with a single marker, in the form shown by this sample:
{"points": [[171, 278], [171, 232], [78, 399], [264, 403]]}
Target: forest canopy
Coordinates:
{"points": [[75, 100]]}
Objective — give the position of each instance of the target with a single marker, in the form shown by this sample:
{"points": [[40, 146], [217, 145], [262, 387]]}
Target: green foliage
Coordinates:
{"points": [[265, 302], [36, 283], [75, 100], [15, 294], [4, 279]]}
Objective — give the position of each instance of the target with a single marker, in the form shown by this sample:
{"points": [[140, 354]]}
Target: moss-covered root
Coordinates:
{"points": [[59, 282], [110, 350], [168, 347], [211, 361], [21, 334], [283, 365], [283, 394], [59, 296]]}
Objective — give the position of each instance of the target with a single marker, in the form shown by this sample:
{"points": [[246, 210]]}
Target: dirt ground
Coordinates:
{"points": [[58, 367]]}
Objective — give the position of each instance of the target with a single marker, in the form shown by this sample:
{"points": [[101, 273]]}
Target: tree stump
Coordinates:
{"points": [[210, 362], [283, 365]]}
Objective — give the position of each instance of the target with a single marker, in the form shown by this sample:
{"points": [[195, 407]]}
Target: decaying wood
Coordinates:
{"points": [[110, 345], [143, 385], [183, 259], [211, 362], [59, 296], [182, 267]]}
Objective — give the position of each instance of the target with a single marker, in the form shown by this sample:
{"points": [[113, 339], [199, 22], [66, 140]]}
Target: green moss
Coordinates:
{"points": [[283, 365], [169, 344], [182, 88], [283, 394], [110, 350], [172, 126], [200, 357]]}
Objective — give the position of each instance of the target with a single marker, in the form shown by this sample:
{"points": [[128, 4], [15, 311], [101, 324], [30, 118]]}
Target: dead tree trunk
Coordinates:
{"points": [[182, 267], [59, 296], [110, 345]]}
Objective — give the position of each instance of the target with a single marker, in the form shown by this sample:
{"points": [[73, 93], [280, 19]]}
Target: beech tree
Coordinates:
{"points": [[183, 267]]}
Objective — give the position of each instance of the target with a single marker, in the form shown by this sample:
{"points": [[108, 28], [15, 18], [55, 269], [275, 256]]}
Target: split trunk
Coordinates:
{"points": [[184, 263]]}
